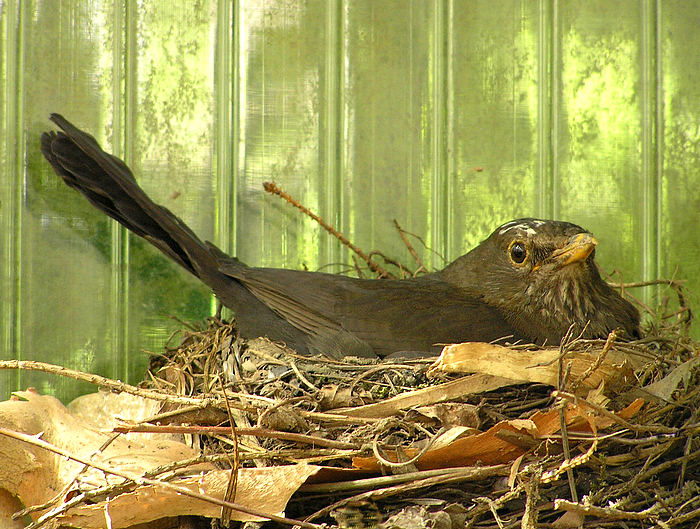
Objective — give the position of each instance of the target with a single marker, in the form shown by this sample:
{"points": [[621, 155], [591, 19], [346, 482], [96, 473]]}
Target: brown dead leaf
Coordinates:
{"points": [[449, 436], [8, 506], [569, 520], [524, 365], [596, 396], [492, 447], [333, 396], [630, 411], [446, 414], [485, 448], [105, 410], [422, 397], [35, 475], [266, 489]]}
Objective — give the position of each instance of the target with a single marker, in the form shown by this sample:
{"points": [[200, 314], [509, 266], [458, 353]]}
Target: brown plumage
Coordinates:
{"points": [[529, 280]]}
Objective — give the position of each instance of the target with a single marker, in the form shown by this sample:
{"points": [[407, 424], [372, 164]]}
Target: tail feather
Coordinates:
{"points": [[110, 186]]}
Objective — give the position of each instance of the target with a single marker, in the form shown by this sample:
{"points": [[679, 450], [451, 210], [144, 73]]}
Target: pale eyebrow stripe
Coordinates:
{"points": [[527, 228]]}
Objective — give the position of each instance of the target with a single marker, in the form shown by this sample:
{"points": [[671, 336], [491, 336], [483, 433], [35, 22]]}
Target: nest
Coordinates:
{"points": [[593, 433], [637, 468]]}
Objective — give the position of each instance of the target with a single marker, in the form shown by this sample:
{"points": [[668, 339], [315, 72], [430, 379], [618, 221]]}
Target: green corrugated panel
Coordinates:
{"points": [[449, 116]]}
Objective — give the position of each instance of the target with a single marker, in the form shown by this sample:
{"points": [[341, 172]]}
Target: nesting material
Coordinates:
{"points": [[593, 433]]}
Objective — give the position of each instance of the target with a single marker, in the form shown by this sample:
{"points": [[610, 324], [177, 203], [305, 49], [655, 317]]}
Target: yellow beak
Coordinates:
{"points": [[577, 250]]}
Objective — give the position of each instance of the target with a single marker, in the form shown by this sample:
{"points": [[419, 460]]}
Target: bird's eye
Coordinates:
{"points": [[517, 251]]}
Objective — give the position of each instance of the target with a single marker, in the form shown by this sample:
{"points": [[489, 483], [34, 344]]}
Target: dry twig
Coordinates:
{"points": [[273, 188]]}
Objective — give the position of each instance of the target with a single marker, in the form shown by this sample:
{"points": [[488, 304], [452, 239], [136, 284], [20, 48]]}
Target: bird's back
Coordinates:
{"points": [[388, 315]]}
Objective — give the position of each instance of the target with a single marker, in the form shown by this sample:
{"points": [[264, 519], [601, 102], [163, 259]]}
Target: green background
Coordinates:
{"points": [[364, 110]]}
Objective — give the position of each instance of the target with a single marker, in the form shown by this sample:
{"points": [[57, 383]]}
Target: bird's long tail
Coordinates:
{"points": [[110, 186]]}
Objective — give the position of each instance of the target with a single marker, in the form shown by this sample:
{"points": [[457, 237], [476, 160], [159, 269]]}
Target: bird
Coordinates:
{"points": [[530, 281]]}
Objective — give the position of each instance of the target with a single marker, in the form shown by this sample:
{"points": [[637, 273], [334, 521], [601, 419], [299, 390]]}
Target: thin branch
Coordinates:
{"points": [[112, 385], [610, 513], [201, 402], [410, 248], [273, 188], [599, 359], [222, 430]]}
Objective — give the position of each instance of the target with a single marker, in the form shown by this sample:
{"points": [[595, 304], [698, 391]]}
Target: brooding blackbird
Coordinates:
{"points": [[529, 280]]}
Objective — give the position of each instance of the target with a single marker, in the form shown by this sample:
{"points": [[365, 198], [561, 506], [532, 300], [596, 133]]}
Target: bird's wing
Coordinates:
{"points": [[409, 314], [306, 300]]}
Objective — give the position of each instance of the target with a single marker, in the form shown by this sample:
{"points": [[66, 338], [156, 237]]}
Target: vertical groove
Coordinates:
{"points": [[449, 143], [555, 91], [223, 117], [262, 115], [130, 80], [18, 163], [659, 169], [343, 135], [331, 131], [130, 119], [650, 146], [130, 107], [544, 110], [440, 184], [125, 113], [372, 176], [345, 198], [408, 190], [117, 77], [237, 108], [11, 193], [118, 303]]}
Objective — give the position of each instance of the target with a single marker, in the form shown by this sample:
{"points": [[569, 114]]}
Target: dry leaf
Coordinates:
{"points": [[425, 396], [447, 415], [265, 489], [448, 437], [35, 475], [524, 365], [569, 520], [8, 506], [105, 410], [663, 389], [333, 396], [492, 447], [485, 448], [596, 396]]}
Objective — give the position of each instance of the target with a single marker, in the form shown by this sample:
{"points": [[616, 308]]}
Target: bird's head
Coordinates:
{"points": [[527, 250], [542, 276]]}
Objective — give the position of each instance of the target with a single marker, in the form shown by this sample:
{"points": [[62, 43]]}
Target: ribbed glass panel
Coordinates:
{"points": [[450, 117]]}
